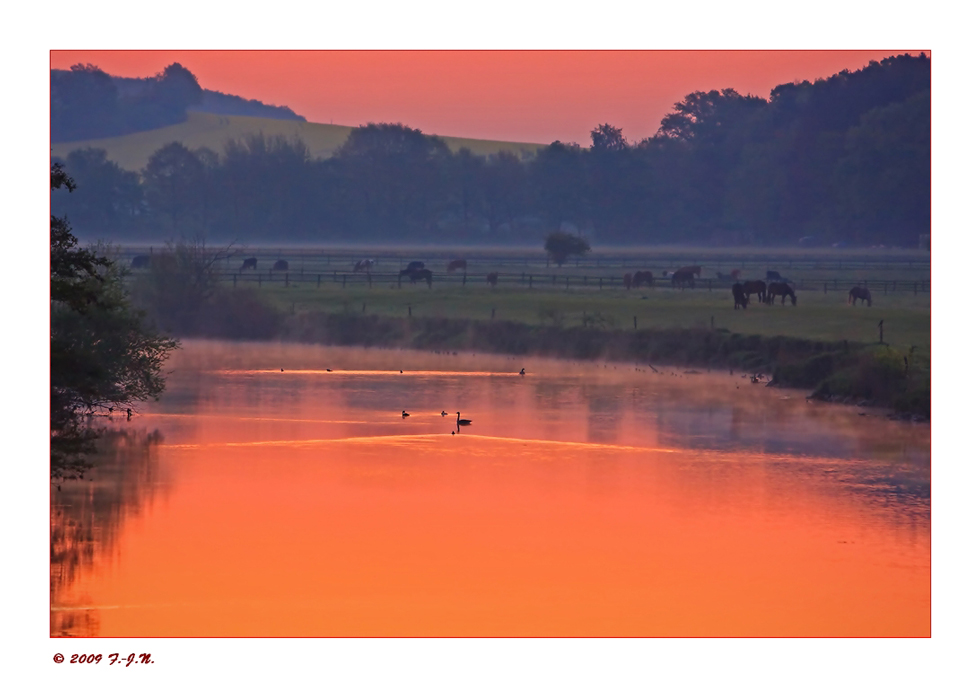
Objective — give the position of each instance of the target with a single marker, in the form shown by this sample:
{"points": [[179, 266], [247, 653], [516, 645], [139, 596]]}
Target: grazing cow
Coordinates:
{"points": [[249, 264], [416, 275], [859, 292], [280, 266], [681, 278], [628, 281], [781, 289], [492, 279], [758, 286], [363, 265], [415, 265], [456, 265], [693, 269], [773, 276], [741, 299], [140, 262], [642, 277]]}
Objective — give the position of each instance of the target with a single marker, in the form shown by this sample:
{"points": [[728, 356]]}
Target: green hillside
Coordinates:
{"points": [[132, 151]]}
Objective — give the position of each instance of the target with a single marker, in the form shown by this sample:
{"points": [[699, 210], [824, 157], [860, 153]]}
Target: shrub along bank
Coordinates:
{"points": [[837, 371]]}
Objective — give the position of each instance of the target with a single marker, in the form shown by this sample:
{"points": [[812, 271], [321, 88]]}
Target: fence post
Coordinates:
{"points": [[600, 283], [712, 322], [409, 311], [493, 313], [318, 281], [634, 321], [343, 284]]}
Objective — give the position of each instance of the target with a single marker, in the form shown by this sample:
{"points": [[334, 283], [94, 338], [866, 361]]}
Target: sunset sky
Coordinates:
{"points": [[520, 95]]}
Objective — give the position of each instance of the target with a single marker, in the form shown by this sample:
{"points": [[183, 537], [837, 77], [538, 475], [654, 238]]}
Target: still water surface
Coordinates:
{"points": [[584, 499]]}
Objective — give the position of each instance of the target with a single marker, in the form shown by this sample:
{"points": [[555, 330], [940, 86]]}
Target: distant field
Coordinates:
{"points": [[132, 151], [817, 316]]}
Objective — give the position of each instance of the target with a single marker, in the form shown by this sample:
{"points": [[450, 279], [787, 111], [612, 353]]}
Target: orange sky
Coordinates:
{"points": [[531, 96]]}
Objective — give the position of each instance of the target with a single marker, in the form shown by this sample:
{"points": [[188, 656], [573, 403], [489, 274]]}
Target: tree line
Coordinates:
{"points": [[845, 158]]}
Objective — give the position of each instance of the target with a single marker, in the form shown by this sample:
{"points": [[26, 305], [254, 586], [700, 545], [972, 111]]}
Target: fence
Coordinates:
{"points": [[536, 280]]}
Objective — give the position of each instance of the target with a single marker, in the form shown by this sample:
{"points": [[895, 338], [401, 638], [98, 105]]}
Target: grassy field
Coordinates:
{"points": [[132, 151], [817, 316]]}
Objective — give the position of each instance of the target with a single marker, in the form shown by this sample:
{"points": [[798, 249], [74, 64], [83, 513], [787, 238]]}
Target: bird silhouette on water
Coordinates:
{"points": [[460, 421], [521, 373], [404, 414], [444, 413]]}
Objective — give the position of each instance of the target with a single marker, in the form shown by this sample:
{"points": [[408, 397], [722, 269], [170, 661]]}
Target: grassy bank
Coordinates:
{"points": [[879, 375]]}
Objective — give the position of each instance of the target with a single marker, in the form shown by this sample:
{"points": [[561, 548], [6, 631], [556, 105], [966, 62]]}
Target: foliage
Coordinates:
{"points": [[87, 103], [180, 282], [843, 158], [103, 355], [561, 246]]}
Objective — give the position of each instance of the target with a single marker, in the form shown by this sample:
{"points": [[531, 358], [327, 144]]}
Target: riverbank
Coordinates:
{"points": [[848, 372]]}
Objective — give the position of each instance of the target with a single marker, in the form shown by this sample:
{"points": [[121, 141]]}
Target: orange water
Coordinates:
{"points": [[584, 500]]}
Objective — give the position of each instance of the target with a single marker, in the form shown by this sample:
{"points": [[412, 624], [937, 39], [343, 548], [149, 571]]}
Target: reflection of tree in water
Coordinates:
{"points": [[86, 516]]}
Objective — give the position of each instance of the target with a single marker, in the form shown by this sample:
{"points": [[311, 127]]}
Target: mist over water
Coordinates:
{"points": [[584, 499]]}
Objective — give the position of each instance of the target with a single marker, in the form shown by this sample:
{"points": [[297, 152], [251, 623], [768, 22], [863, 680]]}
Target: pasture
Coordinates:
{"points": [[818, 316], [590, 291]]}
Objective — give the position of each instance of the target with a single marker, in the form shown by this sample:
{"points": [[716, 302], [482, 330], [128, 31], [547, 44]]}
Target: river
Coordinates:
{"points": [[264, 495]]}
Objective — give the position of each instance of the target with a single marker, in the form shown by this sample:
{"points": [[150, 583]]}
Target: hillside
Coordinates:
{"points": [[132, 151]]}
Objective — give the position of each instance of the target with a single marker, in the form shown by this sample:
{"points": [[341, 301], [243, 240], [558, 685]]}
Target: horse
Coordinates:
{"points": [[415, 265], [249, 264], [693, 269], [781, 289], [492, 279], [682, 277], [859, 292], [773, 276], [735, 274], [758, 287], [456, 265], [416, 275], [280, 266], [642, 277], [364, 265], [140, 261], [741, 299], [628, 281]]}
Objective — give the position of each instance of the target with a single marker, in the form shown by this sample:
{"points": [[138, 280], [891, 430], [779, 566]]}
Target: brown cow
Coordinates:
{"points": [[741, 299], [859, 292], [682, 277], [642, 277], [492, 279], [456, 265], [758, 287]]}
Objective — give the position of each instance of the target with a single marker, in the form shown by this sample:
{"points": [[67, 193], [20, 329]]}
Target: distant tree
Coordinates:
{"points": [[561, 246], [84, 104], [104, 356], [560, 184], [112, 202], [606, 137], [174, 181]]}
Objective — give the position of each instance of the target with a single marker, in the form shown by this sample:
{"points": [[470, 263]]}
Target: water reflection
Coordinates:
{"points": [[86, 515], [583, 500]]}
